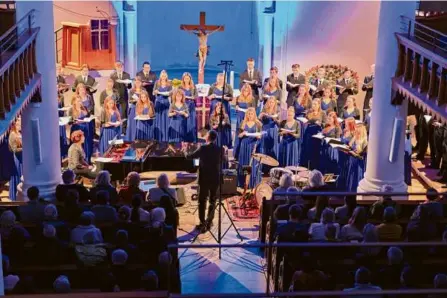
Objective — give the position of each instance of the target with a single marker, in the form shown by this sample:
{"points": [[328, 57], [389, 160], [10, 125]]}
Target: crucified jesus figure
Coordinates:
{"points": [[203, 52]]}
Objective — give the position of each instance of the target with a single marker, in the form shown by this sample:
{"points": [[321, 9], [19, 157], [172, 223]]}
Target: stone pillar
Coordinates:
{"points": [[40, 123], [380, 170], [130, 43], [267, 50]]}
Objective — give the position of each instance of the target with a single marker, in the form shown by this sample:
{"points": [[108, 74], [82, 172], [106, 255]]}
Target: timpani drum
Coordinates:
{"points": [[263, 190], [295, 170], [276, 174]]}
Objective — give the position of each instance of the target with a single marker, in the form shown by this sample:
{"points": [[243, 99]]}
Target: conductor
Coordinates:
{"points": [[209, 174]]}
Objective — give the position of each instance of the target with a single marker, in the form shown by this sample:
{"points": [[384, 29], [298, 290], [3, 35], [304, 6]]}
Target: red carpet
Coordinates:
{"points": [[241, 214]]}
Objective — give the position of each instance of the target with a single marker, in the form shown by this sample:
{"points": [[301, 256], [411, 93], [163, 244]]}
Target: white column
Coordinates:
{"points": [[40, 124], [267, 50], [130, 48], [380, 170]]}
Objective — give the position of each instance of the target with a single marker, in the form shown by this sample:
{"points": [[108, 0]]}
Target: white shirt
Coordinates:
{"points": [[317, 231], [84, 79], [250, 74]]}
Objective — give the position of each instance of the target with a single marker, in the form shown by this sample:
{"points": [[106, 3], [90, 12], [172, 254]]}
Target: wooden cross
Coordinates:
{"points": [[202, 30]]}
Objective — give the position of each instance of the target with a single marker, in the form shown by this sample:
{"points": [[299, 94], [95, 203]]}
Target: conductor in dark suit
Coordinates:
{"points": [[148, 78], [252, 77], [274, 74], [85, 79], [294, 80], [121, 88], [210, 166], [345, 86]]}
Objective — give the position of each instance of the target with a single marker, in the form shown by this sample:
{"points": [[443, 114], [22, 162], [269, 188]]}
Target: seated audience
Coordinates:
{"points": [[124, 214], [10, 281], [317, 230], [370, 235], [13, 236], [91, 251], [343, 213], [378, 207], [68, 179], [294, 230], [421, 227], [72, 210], [51, 218], [132, 188], [363, 282], [389, 276], [122, 242], [389, 230], [158, 217], [86, 226], [172, 215], [120, 271], [409, 278], [32, 212], [164, 272], [435, 208], [354, 229], [62, 285], [330, 232], [162, 189], [293, 198], [284, 183], [440, 281], [102, 210], [49, 250], [308, 278], [314, 213], [316, 184], [149, 281], [138, 214], [102, 183]]}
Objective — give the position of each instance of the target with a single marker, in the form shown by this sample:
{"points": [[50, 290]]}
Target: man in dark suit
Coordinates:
{"points": [[148, 78], [252, 77], [119, 75], [345, 87], [210, 167], [273, 74], [85, 79], [294, 80], [318, 84]]}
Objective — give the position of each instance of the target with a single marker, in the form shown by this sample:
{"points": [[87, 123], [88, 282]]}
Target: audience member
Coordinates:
{"points": [[330, 232], [149, 281], [154, 195], [389, 276], [120, 271], [51, 218], [124, 214], [158, 217], [294, 230], [435, 208], [421, 227], [164, 272], [102, 210], [9, 280], [62, 285], [68, 179], [172, 215], [49, 250], [388, 230], [314, 213], [363, 283], [378, 207], [308, 278], [284, 183], [316, 184], [91, 251], [292, 198], [72, 210], [343, 213], [13, 236], [32, 212], [409, 278], [122, 242], [102, 183], [138, 214], [132, 188], [354, 229], [317, 230], [370, 236], [85, 226], [440, 281]]}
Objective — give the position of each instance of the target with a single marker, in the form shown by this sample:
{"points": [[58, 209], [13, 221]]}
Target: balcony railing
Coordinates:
{"points": [[422, 66], [19, 80]]}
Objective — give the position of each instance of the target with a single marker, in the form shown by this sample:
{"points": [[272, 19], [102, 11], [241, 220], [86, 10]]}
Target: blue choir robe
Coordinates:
{"points": [[290, 146], [162, 104], [177, 123]]}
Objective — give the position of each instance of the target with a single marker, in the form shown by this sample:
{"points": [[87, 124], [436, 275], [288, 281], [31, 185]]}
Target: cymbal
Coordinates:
{"points": [[265, 159], [296, 169]]}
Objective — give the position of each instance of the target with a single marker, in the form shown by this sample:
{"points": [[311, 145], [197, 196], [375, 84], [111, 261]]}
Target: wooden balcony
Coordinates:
{"points": [[422, 68], [19, 79]]}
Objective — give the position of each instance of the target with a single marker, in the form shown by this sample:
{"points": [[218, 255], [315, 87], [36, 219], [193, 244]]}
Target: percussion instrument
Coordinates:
{"points": [[265, 159], [300, 181], [263, 190], [276, 174], [295, 169], [304, 174]]}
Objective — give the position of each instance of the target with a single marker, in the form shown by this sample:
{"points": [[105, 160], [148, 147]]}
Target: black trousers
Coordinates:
{"points": [[438, 140], [444, 154], [85, 172], [424, 137], [123, 113], [207, 190]]}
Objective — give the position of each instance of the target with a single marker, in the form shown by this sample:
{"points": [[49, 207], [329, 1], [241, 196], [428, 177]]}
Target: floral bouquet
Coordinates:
{"points": [[333, 73]]}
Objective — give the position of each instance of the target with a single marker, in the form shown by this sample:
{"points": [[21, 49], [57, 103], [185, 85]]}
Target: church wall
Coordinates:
{"points": [[80, 12], [161, 41]]}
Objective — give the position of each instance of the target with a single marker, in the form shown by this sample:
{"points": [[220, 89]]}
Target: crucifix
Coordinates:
{"points": [[202, 30]]}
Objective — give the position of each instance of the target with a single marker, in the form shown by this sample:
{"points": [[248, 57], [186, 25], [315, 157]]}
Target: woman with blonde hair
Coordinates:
{"points": [[15, 146], [190, 91], [360, 140], [162, 91], [328, 103], [248, 146], [316, 115], [303, 101], [216, 91], [79, 112], [103, 183], [270, 139], [145, 112], [110, 124], [350, 109], [86, 99], [349, 130], [178, 113], [332, 128], [224, 132], [272, 88], [290, 146], [134, 96], [244, 101]]}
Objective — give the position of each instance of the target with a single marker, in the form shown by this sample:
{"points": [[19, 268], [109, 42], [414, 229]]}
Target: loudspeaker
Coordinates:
{"points": [[229, 186], [181, 198]]}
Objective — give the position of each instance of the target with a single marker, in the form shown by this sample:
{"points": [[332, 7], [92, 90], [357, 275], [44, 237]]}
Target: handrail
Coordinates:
{"points": [[353, 193], [423, 26], [30, 13]]}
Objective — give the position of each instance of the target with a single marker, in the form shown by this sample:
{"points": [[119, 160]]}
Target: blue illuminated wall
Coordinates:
{"points": [[161, 41]]}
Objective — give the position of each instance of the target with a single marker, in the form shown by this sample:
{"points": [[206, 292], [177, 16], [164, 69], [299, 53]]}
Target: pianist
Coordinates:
{"points": [[76, 156]]}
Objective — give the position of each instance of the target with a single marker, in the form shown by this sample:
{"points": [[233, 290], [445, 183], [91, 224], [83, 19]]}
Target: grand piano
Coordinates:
{"points": [[140, 156]]}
